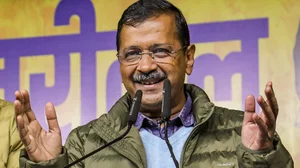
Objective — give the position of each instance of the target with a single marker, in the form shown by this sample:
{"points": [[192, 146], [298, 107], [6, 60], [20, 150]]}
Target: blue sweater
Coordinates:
{"points": [[157, 152]]}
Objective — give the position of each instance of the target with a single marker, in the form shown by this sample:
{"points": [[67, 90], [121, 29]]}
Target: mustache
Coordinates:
{"points": [[147, 76]]}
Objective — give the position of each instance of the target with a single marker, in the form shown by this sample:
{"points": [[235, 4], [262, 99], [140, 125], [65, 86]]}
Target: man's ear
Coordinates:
{"points": [[190, 52]]}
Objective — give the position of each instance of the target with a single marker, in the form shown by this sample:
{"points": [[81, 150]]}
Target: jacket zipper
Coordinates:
{"points": [[185, 145], [191, 135]]}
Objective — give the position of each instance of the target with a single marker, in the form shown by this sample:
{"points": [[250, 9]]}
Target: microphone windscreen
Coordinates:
{"points": [[166, 101], [135, 107]]}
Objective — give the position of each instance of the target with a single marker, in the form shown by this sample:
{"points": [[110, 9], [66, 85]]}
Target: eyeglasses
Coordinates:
{"points": [[160, 53]]}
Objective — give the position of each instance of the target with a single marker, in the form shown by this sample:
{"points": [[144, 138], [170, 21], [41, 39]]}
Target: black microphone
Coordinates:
{"points": [[166, 115], [132, 117], [135, 107], [166, 101]]}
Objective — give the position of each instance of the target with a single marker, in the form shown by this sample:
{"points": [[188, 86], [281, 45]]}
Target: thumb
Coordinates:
{"points": [[249, 109], [52, 118]]}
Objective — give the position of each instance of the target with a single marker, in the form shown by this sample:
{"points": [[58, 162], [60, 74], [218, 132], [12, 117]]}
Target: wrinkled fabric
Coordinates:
{"points": [[214, 142], [10, 143]]}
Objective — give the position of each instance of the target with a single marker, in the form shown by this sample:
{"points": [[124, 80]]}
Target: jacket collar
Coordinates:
{"points": [[202, 107], [117, 116], [112, 124]]}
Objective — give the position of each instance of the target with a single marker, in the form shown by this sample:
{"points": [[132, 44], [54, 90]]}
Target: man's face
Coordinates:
{"points": [[148, 75]]}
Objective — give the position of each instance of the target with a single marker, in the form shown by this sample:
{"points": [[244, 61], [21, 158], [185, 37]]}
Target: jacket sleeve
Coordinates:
{"points": [[72, 151], [15, 145], [10, 143], [278, 157]]}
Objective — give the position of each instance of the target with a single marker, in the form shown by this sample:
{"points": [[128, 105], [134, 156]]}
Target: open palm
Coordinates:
{"points": [[39, 144], [258, 130]]}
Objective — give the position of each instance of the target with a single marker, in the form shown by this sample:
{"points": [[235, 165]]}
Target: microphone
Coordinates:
{"points": [[135, 107], [166, 115], [166, 101], [132, 117]]}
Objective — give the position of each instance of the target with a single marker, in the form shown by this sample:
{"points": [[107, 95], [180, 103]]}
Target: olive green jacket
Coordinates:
{"points": [[10, 143], [215, 141]]}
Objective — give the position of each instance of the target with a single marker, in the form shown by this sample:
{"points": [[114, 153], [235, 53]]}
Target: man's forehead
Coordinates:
{"points": [[152, 29], [160, 21]]}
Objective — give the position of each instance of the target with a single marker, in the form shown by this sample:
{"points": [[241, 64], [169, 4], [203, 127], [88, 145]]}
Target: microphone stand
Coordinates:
{"points": [[166, 114], [102, 147], [132, 117], [169, 145]]}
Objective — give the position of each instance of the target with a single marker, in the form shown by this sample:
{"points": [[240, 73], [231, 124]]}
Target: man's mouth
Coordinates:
{"points": [[150, 81]]}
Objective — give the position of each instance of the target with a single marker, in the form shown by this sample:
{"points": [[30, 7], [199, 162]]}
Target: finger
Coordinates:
{"points": [[23, 131], [17, 105], [267, 114], [19, 110], [52, 118], [249, 109], [272, 101], [19, 96], [27, 106], [263, 133]]}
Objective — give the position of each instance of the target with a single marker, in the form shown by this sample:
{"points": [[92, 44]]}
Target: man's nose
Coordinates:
{"points": [[146, 63]]}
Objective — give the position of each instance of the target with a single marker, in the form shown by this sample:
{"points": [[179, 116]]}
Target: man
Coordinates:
{"points": [[153, 44], [11, 144]]}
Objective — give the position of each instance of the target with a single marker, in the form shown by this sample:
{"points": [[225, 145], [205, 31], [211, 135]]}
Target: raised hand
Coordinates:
{"points": [[258, 130], [39, 144]]}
